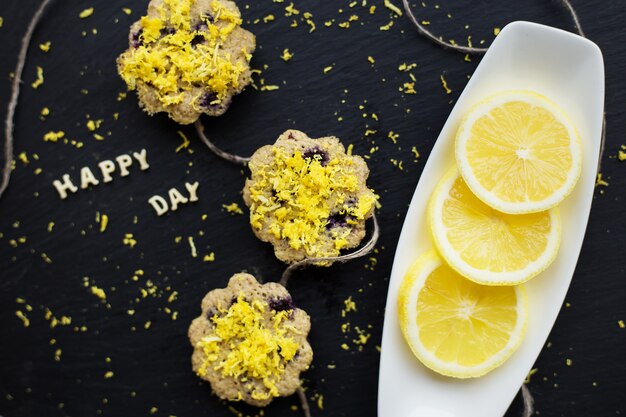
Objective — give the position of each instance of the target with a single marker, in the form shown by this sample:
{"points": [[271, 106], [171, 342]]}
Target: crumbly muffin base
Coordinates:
{"points": [[188, 110], [292, 141], [229, 388]]}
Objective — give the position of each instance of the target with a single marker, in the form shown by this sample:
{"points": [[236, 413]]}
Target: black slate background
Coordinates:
{"points": [[151, 367]]}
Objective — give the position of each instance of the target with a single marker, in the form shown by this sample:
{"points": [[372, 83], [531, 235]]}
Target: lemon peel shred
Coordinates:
{"points": [[444, 84], [393, 7], [232, 208], [86, 13], [286, 55], [39, 80]]}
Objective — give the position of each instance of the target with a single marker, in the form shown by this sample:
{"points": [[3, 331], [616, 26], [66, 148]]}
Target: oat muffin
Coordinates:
{"points": [[188, 57], [307, 197], [250, 341]]}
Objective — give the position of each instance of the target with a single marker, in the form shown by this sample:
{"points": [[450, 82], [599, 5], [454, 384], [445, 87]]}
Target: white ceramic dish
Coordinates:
{"points": [[569, 70]]}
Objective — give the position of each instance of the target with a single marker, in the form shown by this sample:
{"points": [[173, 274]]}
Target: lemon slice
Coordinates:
{"points": [[519, 152], [456, 327], [485, 245]]}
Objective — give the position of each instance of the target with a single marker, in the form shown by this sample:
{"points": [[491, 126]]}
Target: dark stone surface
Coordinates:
{"points": [[152, 367]]}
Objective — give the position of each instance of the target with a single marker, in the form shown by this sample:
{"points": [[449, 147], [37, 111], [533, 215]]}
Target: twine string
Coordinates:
{"points": [[421, 29], [469, 49], [304, 403], [235, 159], [15, 94], [364, 250], [529, 402]]}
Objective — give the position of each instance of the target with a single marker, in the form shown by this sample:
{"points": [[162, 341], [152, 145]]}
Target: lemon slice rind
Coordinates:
{"points": [[407, 311], [488, 197], [482, 276]]}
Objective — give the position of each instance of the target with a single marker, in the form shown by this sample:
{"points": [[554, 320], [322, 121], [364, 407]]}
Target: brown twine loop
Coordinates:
{"points": [[235, 159], [469, 49], [365, 250], [15, 93], [529, 402], [304, 403], [479, 51]]}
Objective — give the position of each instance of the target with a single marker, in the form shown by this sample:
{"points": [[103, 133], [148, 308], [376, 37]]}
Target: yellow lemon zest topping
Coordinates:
{"points": [[174, 54], [298, 207], [257, 348]]}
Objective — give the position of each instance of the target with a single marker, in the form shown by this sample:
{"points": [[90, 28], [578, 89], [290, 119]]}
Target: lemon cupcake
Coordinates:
{"points": [[250, 342], [188, 57], [307, 197]]}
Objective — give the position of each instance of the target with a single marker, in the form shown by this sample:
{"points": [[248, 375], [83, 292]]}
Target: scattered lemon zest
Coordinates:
{"points": [[86, 13], [20, 315], [129, 240], [98, 292], [531, 373], [45, 47], [185, 143], [291, 10], [104, 221], [393, 7], [39, 80], [233, 208], [53, 136], [444, 83], [192, 245], [286, 56], [387, 26], [24, 158]]}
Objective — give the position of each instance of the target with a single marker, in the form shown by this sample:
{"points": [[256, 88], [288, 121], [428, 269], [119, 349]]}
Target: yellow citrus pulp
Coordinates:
{"points": [[456, 327], [488, 246], [518, 152]]}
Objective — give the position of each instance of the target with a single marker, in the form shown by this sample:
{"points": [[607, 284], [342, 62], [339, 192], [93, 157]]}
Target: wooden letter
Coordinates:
{"points": [[87, 178], [159, 204], [124, 161], [107, 167], [176, 198], [63, 187], [192, 188], [142, 158]]}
